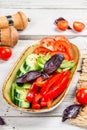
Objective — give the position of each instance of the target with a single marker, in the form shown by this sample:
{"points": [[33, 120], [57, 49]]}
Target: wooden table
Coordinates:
{"points": [[42, 14]]}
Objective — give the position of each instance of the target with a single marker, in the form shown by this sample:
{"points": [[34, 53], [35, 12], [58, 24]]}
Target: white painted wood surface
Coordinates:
{"points": [[42, 14]]}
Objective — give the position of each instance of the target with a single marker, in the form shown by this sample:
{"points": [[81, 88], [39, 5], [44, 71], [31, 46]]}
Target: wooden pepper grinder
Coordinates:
{"points": [[8, 36], [18, 20]]}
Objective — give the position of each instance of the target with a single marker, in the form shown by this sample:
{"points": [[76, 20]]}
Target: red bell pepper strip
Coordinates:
{"points": [[35, 102], [36, 105], [40, 82], [44, 103], [34, 88], [57, 77], [56, 89], [31, 93]]}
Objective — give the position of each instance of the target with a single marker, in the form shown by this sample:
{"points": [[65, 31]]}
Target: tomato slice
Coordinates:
{"points": [[41, 50], [62, 44], [48, 43], [62, 38], [78, 26], [62, 25]]}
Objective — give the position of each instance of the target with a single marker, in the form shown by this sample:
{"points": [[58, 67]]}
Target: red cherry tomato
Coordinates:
{"points": [[62, 25], [78, 26], [5, 53], [81, 95], [48, 43]]}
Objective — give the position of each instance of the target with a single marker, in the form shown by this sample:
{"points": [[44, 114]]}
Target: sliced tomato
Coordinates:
{"points": [[62, 38], [78, 26], [62, 25], [48, 43], [62, 44], [41, 50]]}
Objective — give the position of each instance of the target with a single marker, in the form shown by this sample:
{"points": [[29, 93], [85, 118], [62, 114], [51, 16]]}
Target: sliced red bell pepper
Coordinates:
{"points": [[40, 82], [57, 77], [31, 93], [56, 89], [36, 105], [34, 88], [30, 96], [44, 103]]}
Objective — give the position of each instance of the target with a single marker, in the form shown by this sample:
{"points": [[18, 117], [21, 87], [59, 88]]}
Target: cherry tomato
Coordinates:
{"points": [[78, 26], [62, 25], [81, 95], [5, 53], [48, 43]]}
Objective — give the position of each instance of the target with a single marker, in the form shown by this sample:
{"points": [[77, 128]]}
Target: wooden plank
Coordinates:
{"points": [[42, 22], [35, 123], [82, 4]]}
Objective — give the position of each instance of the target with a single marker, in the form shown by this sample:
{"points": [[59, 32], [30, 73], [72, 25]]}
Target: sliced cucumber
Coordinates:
{"points": [[26, 67], [21, 103], [13, 91], [21, 71], [27, 86], [31, 61], [20, 93]]}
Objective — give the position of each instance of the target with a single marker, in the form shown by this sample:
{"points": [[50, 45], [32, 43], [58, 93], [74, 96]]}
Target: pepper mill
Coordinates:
{"points": [[18, 20], [8, 36]]}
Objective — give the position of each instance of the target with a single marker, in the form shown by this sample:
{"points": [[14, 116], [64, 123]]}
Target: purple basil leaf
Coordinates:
{"points": [[2, 122], [53, 63], [71, 111], [28, 77]]}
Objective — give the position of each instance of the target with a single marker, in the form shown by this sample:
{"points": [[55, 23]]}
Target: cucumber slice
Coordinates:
{"points": [[27, 86], [19, 73], [21, 103], [26, 67], [13, 91], [31, 61], [20, 93]]}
